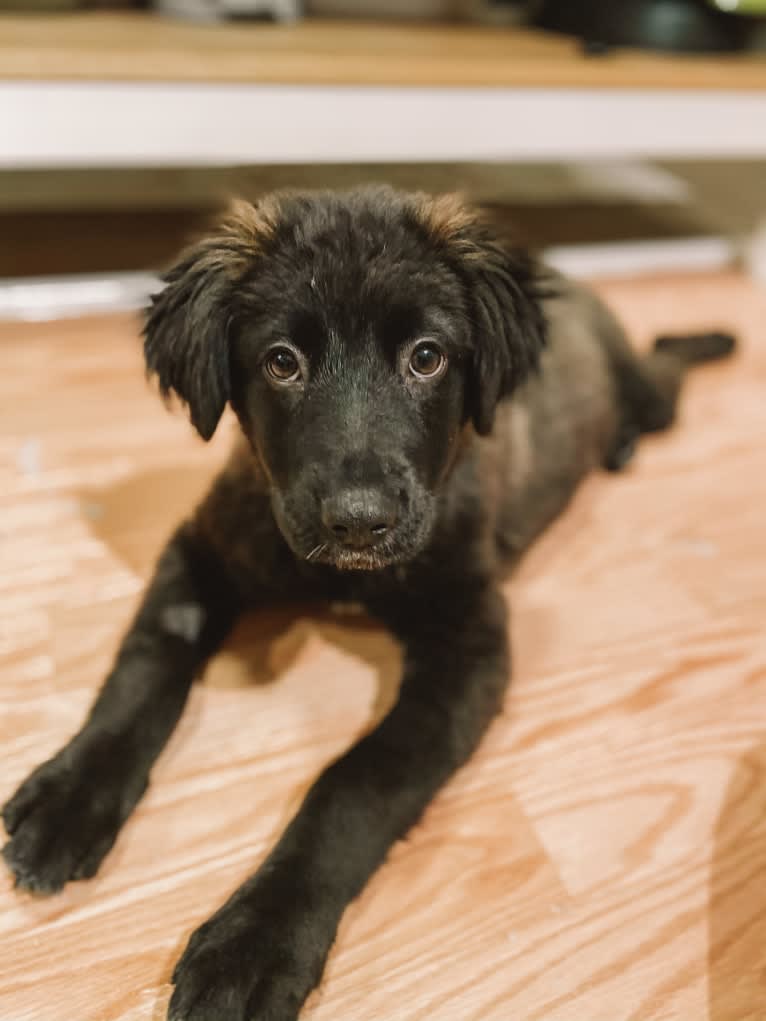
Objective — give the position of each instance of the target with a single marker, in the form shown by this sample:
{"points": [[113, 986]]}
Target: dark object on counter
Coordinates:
{"points": [[595, 47], [691, 26]]}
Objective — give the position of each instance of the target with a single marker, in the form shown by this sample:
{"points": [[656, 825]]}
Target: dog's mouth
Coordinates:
{"points": [[400, 545], [345, 559]]}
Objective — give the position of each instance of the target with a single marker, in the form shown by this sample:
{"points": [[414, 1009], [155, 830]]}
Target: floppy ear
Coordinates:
{"points": [[504, 288], [186, 324], [509, 327]]}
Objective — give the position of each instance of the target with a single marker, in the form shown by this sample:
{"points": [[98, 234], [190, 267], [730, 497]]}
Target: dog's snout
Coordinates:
{"points": [[358, 518]]}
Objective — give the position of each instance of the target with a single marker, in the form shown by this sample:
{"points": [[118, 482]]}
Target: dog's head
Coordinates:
{"points": [[355, 335]]}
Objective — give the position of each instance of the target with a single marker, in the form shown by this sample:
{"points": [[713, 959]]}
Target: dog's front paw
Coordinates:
{"points": [[249, 964], [65, 817]]}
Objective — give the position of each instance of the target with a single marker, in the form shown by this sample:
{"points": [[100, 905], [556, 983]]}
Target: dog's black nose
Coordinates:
{"points": [[358, 518]]}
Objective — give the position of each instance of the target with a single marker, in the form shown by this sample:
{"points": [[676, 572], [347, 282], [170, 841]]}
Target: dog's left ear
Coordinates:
{"points": [[185, 331], [509, 326], [505, 287]]}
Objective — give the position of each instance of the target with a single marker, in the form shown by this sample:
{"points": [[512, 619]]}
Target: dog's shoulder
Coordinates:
{"points": [[235, 519]]}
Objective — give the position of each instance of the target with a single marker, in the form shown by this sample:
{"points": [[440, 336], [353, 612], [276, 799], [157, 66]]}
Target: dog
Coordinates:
{"points": [[418, 398]]}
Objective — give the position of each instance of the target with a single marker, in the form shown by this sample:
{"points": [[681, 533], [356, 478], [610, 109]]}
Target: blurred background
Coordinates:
{"points": [[620, 137]]}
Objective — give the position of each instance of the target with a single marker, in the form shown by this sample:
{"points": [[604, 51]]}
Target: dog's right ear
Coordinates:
{"points": [[186, 344], [504, 287]]}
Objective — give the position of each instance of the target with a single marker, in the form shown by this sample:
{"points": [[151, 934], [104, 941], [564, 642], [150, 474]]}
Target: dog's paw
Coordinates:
{"points": [[64, 818], [248, 965]]}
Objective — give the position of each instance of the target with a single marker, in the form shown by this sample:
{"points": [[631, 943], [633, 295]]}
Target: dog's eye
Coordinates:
{"points": [[426, 360], [282, 365]]}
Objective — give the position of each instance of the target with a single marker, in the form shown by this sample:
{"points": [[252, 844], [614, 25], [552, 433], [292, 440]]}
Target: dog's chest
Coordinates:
{"points": [[344, 608], [351, 593]]}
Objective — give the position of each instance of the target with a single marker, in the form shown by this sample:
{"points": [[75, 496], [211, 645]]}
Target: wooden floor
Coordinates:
{"points": [[142, 47], [603, 858]]}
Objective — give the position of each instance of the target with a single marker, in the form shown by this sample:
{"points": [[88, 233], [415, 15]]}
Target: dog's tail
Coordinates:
{"points": [[697, 348], [650, 387], [662, 373]]}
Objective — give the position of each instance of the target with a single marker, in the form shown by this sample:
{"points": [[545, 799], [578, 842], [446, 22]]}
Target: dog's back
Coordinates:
{"points": [[585, 408]]}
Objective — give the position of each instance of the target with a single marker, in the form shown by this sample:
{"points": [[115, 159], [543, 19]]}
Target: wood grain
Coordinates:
{"points": [[136, 47], [602, 857]]}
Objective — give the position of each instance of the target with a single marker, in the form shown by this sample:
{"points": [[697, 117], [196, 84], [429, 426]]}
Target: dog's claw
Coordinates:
{"points": [[62, 822], [248, 963]]}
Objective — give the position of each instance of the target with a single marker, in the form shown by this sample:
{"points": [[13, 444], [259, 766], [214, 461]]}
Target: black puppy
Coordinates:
{"points": [[367, 343]]}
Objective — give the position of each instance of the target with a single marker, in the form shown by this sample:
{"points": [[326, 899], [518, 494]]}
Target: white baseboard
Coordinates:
{"points": [[641, 258], [64, 297], [67, 297]]}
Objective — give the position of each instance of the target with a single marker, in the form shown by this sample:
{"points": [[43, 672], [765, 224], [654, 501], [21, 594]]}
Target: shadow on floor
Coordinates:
{"points": [[737, 906], [133, 519]]}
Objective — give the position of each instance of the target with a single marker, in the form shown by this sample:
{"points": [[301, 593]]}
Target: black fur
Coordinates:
{"points": [[356, 479]]}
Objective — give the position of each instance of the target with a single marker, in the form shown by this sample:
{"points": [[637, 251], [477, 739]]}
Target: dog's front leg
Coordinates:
{"points": [[262, 953], [65, 816]]}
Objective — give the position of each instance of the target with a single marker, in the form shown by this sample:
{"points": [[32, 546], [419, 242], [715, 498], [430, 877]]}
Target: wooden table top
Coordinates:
{"points": [[141, 47]]}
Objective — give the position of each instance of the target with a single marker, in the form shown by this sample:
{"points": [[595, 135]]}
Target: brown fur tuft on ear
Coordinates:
{"points": [[448, 218], [504, 288], [250, 224], [186, 325]]}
